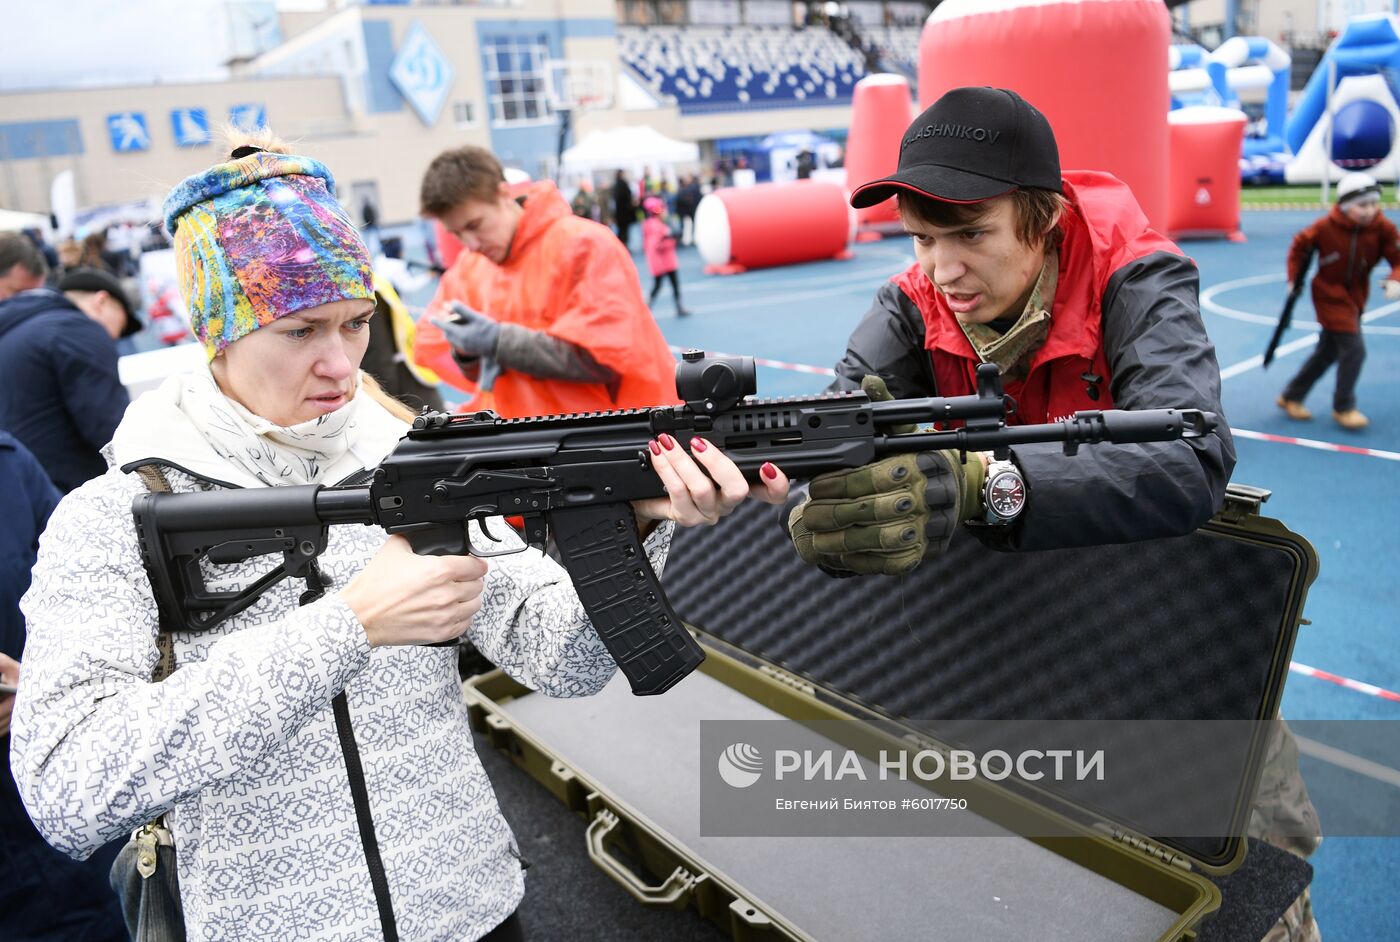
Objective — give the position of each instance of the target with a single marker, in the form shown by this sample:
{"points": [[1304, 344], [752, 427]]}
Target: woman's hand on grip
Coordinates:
{"points": [[404, 598]]}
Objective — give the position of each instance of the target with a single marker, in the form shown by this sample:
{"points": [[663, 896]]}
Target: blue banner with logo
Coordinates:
{"points": [[422, 74]]}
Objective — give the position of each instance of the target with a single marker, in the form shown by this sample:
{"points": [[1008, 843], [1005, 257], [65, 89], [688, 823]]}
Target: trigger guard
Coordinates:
{"points": [[479, 552], [481, 524]]}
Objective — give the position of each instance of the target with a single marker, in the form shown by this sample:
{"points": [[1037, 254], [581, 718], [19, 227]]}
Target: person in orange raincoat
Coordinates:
{"points": [[548, 299]]}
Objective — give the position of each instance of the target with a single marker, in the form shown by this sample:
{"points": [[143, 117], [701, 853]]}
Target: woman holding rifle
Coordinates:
{"points": [[311, 758]]}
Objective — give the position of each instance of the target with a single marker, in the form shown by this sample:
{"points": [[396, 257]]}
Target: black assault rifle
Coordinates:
{"points": [[1285, 318], [573, 476]]}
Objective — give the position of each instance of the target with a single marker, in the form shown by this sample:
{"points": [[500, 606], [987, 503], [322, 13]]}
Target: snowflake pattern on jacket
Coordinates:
{"points": [[240, 743]]}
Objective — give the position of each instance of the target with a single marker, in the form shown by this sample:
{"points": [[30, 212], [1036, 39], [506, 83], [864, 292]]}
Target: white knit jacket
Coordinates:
{"points": [[240, 742]]}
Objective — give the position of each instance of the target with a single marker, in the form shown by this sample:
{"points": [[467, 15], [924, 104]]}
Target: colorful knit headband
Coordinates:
{"points": [[259, 238]]}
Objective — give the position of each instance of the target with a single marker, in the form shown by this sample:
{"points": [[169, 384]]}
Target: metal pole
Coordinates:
{"points": [[1394, 150], [1327, 164]]}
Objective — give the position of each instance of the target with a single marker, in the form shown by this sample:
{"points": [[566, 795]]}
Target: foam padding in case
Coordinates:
{"points": [[1192, 628]]}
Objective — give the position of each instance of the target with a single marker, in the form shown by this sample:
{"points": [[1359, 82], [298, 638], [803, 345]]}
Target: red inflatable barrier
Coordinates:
{"points": [[1094, 68], [1203, 196], [739, 228], [880, 111]]}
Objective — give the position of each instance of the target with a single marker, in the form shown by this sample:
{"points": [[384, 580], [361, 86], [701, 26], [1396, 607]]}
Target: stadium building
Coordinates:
{"points": [[377, 89]]}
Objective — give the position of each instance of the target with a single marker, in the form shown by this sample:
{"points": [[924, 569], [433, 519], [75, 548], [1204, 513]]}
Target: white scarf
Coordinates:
{"points": [[274, 454], [189, 422]]}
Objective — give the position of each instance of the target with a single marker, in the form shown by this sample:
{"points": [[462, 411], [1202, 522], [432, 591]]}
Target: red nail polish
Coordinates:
{"points": [[698, 444], [768, 471], [667, 442], [655, 448]]}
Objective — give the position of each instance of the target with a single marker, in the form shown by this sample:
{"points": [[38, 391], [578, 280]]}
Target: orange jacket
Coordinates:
{"points": [[571, 278]]}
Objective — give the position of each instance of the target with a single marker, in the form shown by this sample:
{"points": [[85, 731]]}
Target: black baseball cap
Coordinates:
{"points": [[971, 145], [94, 279]]}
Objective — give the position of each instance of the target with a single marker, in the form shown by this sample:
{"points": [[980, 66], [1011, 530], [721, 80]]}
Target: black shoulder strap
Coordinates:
{"points": [[154, 478]]}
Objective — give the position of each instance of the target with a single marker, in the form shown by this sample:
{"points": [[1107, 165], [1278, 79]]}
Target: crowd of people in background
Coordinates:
{"points": [[115, 249], [620, 202], [60, 402], [621, 206]]}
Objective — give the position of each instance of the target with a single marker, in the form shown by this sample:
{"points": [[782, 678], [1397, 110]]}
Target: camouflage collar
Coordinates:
{"points": [[1012, 351]]}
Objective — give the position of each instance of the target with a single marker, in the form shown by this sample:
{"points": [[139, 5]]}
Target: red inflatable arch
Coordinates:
{"points": [[1095, 68]]}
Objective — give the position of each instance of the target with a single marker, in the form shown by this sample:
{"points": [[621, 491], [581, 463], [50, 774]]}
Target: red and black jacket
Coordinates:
{"points": [[1126, 333]]}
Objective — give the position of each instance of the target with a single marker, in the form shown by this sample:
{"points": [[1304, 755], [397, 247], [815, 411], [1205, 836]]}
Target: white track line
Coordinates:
{"points": [[1208, 303], [1349, 761], [1315, 444], [762, 361]]}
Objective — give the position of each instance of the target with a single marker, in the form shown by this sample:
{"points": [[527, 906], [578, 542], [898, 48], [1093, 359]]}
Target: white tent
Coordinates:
{"points": [[635, 148]]}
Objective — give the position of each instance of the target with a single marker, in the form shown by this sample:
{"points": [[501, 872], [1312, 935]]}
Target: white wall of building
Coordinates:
{"points": [[325, 90]]}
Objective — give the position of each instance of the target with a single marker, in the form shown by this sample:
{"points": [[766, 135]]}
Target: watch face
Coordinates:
{"points": [[1007, 494]]}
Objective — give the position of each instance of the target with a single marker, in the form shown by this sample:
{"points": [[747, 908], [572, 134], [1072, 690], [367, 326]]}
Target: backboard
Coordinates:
{"points": [[580, 84]]}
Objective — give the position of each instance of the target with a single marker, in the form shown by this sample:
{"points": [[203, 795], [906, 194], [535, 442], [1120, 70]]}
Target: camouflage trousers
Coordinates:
{"points": [[1283, 815]]}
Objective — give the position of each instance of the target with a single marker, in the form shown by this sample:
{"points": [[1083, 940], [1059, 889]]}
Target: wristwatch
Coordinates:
{"points": [[1003, 493]]}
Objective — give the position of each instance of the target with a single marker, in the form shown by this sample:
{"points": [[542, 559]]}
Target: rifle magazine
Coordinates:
{"points": [[603, 553]]}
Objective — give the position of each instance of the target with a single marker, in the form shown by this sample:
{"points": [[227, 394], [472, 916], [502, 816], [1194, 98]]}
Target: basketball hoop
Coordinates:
{"points": [[578, 85]]}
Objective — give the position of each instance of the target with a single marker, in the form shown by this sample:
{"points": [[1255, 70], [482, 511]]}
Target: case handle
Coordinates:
{"points": [[674, 893]]}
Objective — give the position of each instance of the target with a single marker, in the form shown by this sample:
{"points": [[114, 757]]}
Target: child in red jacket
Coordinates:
{"points": [[1349, 241], [659, 243]]}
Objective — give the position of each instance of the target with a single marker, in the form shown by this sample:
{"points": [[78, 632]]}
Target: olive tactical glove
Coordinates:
{"points": [[883, 518]]}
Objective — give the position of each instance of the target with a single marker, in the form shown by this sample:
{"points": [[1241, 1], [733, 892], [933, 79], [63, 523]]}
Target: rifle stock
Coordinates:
{"points": [[575, 477]]}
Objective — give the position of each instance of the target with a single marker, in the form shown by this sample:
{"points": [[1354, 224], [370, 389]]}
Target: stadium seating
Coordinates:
{"points": [[736, 68], [898, 47]]}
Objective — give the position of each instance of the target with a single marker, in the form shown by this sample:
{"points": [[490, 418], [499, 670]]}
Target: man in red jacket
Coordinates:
{"points": [[1059, 280], [549, 299], [1349, 242]]}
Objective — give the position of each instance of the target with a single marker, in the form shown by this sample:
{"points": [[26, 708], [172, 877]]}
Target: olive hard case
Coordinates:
{"points": [[1196, 628]]}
